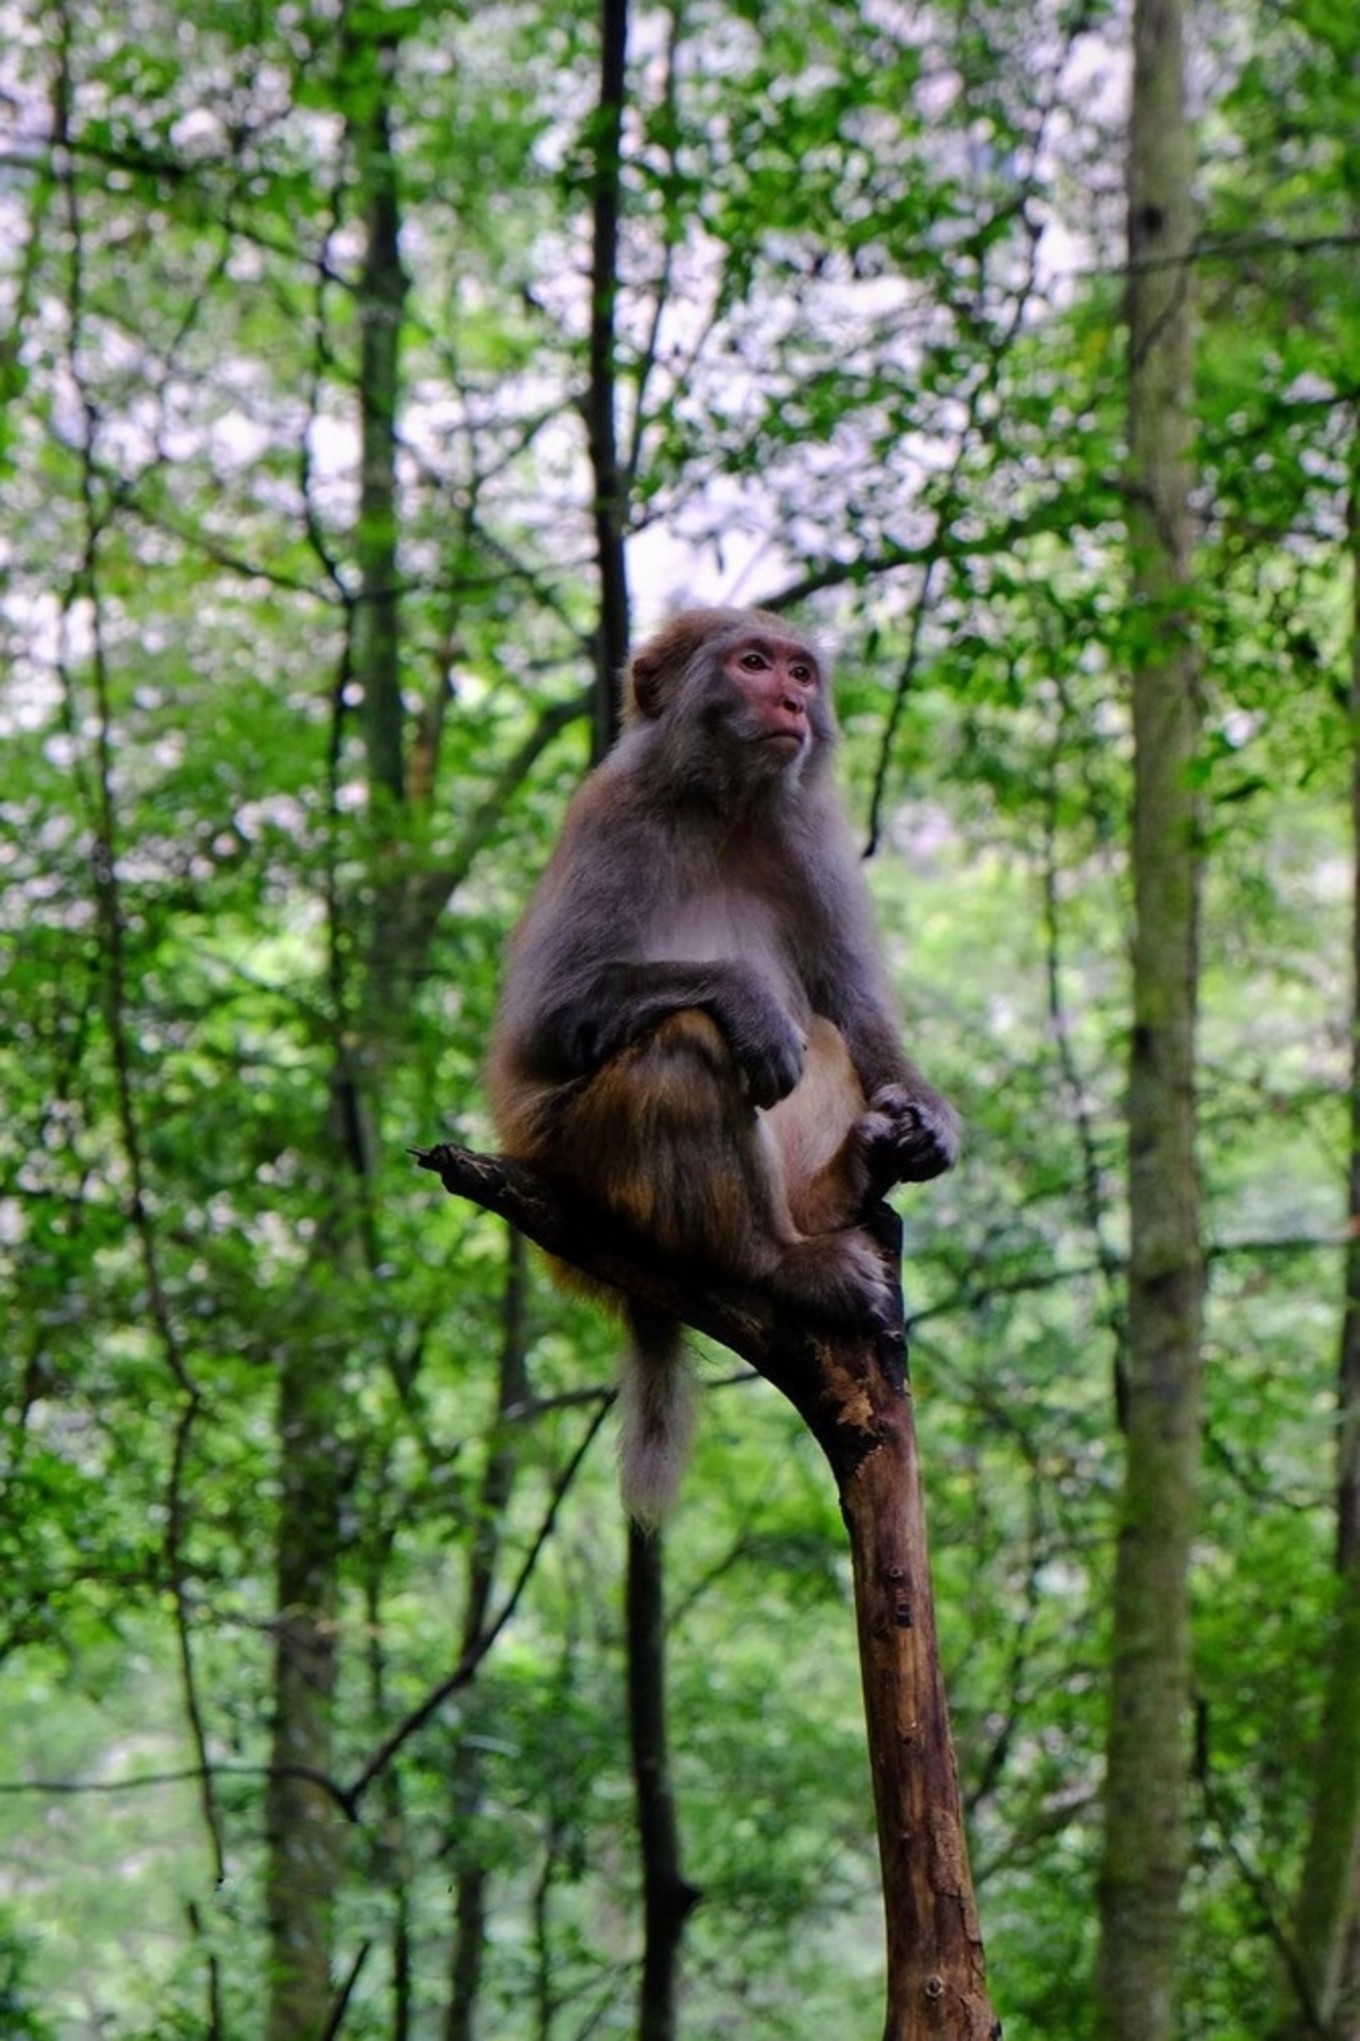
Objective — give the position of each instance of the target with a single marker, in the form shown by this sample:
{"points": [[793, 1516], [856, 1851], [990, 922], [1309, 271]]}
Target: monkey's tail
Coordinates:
{"points": [[656, 1415]]}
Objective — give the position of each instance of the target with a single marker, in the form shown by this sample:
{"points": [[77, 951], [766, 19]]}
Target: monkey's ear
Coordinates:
{"points": [[657, 666], [647, 689]]}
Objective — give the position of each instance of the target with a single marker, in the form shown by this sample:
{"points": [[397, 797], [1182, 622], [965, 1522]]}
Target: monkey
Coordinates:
{"points": [[695, 1026]]}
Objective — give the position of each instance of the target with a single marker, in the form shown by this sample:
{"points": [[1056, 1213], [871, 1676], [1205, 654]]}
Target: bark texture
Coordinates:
{"points": [[851, 1389], [1322, 1985], [303, 1835], [667, 1896], [466, 1761], [611, 482], [1147, 1751]]}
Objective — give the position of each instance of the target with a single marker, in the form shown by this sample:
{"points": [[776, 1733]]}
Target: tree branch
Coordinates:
{"points": [[849, 1384]]}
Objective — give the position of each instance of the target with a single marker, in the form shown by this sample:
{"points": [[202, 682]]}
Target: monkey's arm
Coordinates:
{"points": [[918, 1135], [589, 974], [921, 1135], [600, 1011], [921, 1131]]}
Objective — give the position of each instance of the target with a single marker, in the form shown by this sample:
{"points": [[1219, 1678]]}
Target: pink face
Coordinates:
{"points": [[779, 679]]}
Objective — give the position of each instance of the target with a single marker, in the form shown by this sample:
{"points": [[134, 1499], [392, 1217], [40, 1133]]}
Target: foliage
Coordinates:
{"points": [[869, 356]]}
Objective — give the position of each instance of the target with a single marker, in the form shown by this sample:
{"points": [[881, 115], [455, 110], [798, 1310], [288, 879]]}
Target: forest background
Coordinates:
{"points": [[370, 373]]}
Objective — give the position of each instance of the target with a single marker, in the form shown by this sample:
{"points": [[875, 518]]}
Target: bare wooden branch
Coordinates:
{"points": [[850, 1386]]}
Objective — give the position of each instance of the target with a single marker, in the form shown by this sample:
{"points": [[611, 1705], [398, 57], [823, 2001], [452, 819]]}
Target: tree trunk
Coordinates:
{"points": [[379, 300], [1322, 1990], [304, 1835], [1147, 1757], [498, 1478], [304, 1840], [858, 1404], [936, 1973], [851, 1390], [611, 486], [666, 1897]]}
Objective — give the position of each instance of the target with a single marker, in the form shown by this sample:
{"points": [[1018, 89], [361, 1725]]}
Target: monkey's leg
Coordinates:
{"points": [[665, 1135], [662, 1136], [769, 1196], [823, 1139], [828, 1138]]}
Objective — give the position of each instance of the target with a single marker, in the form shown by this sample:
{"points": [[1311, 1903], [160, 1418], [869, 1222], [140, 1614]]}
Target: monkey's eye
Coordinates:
{"points": [[752, 660], [802, 670]]}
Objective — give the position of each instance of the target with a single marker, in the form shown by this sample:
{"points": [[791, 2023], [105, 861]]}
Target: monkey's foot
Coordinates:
{"points": [[839, 1276]]}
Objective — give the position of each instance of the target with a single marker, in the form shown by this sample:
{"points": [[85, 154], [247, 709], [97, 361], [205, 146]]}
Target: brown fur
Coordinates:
{"points": [[694, 1026]]}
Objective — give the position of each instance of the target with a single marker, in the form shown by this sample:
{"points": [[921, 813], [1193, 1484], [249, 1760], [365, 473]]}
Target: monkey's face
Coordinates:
{"points": [[739, 703], [776, 684], [768, 699]]}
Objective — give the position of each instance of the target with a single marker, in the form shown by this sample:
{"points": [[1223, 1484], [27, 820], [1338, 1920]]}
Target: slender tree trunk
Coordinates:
{"points": [[470, 1882], [303, 1834], [666, 1897], [610, 483], [1344, 1709], [1147, 1756], [1322, 1990], [388, 1866], [380, 298]]}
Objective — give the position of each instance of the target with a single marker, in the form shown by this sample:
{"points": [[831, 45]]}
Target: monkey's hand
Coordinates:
{"points": [[624, 1002], [768, 1044], [909, 1136]]}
